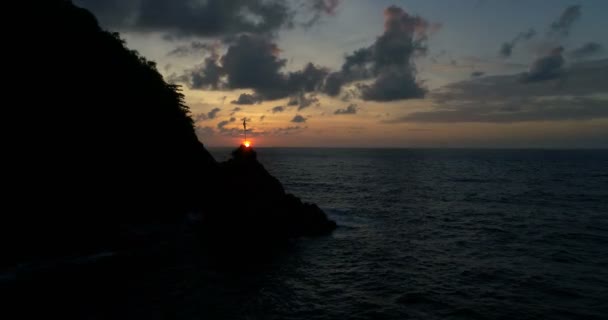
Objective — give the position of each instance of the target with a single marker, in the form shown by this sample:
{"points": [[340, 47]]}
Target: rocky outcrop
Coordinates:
{"points": [[101, 147], [258, 207]]}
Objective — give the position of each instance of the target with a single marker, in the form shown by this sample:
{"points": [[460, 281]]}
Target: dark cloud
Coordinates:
{"points": [[531, 110], [206, 131], [388, 62], [349, 95], [198, 117], [179, 18], [293, 101], [351, 109], [506, 50], [195, 47], [309, 79], [564, 23], [187, 18], [587, 50], [549, 65], [476, 74], [235, 110], [546, 67], [213, 113], [252, 62], [278, 109], [320, 7], [307, 101], [505, 99], [205, 76], [584, 78], [393, 85], [287, 130], [222, 124], [206, 116], [247, 99], [209, 77], [262, 118], [333, 83], [298, 119], [303, 101]]}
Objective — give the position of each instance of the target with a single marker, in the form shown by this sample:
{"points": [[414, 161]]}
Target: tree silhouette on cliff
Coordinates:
{"points": [[100, 143]]}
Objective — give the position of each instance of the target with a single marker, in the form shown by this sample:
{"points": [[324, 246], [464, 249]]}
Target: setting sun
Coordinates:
{"points": [[247, 143]]}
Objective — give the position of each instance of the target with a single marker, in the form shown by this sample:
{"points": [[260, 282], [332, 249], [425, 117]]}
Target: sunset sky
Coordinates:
{"points": [[363, 73]]}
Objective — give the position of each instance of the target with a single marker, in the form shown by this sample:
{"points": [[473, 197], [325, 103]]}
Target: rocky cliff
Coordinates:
{"points": [[100, 145]]}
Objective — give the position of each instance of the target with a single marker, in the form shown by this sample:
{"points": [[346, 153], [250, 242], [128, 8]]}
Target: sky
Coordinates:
{"points": [[363, 73]]}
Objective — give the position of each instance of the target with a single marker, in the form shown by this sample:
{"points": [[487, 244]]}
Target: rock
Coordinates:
{"points": [[105, 154], [260, 210]]}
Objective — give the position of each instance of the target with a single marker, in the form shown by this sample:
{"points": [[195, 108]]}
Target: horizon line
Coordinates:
{"points": [[418, 147]]}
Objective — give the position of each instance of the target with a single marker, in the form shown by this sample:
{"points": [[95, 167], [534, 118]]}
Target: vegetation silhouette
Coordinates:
{"points": [[104, 153]]}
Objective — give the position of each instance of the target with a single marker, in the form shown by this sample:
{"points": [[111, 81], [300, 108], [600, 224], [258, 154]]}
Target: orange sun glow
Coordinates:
{"points": [[247, 143]]}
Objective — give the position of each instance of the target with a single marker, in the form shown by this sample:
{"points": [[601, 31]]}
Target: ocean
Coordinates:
{"points": [[436, 234], [422, 234]]}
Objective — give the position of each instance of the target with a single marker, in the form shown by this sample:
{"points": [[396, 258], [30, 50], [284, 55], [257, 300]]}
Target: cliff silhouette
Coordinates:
{"points": [[102, 150]]}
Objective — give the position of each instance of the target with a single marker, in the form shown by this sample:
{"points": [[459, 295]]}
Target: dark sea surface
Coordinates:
{"points": [[437, 234], [423, 234]]}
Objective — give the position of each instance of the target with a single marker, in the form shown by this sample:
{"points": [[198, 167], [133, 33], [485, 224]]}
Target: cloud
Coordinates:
{"points": [[186, 18], [195, 47], [387, 62], [529, 110], [222, 124], [320, 7], [587, 50], [247, 99], [209, 18], [298, 119], [213, 113], [204, 76], [476, 74], [235, 110], [204, 132], [278, 109], [333, 83], [303, 101], [253, 62], [546, 67], [287, 130], [306, 102], [351, 109], [506, 99], [206, 116], [262, 117], [563, 25], [309, 79], [199, 117], [393, 85], [506, 50], [293, 101]]}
